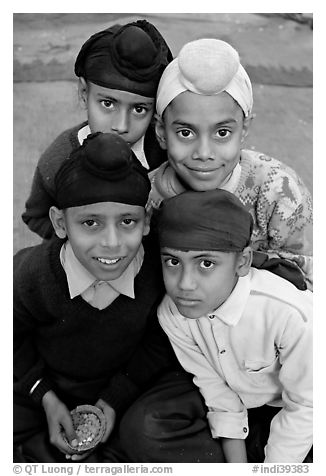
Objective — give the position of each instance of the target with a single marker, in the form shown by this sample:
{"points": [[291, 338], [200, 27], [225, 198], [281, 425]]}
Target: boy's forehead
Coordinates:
{"points": [[190, 106], [105, 208], [120, 94], [191, 254]]}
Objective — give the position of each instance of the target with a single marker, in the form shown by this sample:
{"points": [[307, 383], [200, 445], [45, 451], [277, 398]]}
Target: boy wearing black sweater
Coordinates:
{"points": [[85, 325]]}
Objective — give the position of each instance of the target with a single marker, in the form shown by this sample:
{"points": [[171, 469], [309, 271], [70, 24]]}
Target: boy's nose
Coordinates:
{"points": [[120, 122], [204, 150], [110, 238], [187, 281]]}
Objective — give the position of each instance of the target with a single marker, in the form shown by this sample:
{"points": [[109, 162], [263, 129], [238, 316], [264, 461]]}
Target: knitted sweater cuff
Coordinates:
{"points": [[120, 393], [40, 390]]}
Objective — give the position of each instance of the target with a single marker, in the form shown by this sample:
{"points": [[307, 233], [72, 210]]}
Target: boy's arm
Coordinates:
{"points": [[28, 367], [288, 220], [36, 214], [234, 450], [290, 436]]}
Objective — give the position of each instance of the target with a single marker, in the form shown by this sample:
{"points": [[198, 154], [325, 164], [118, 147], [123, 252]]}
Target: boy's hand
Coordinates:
{"points": [[59, 420], [110, 417]]}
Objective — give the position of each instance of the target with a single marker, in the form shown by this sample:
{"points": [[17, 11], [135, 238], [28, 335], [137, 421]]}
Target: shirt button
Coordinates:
{"points": [[222, 351], [245, 429]]}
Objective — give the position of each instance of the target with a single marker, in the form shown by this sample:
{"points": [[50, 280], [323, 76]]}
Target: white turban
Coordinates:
{"points": [[208, 67]]}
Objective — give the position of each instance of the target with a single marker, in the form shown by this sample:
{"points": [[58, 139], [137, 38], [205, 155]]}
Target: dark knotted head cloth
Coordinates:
{"points": [[130, 58], [103, 169], [214, 220]]}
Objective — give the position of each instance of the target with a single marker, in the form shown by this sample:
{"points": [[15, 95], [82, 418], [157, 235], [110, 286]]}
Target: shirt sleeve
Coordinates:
{"points": [[290, 436], [227, 416], [28, 367]]}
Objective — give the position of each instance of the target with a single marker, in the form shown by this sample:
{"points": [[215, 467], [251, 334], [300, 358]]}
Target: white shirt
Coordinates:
{"points": [[255, 349]]}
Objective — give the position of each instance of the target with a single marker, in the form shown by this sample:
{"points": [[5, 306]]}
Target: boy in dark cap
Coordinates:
{"points": [[85, 321], [244, 334], [118, 69]]}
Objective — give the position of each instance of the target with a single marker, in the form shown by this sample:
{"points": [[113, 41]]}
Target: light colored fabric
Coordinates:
{"points": [[83, 133], [208, 67], [98, 294], [276, 197], [253, 350]]}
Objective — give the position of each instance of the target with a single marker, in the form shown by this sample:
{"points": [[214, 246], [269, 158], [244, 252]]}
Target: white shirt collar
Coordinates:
{"points": [[232, 309], [80, 279], [231, 181]]}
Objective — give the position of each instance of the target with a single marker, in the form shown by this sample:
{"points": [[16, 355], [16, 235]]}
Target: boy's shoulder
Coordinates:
{"points": [[271, 286], [33, 263], [264, 165], [273, 177], [59, 150]]}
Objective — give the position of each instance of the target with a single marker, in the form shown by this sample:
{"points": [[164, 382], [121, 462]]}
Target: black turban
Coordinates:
{"points": [[130, 58], [103, 169], [214, 220]]}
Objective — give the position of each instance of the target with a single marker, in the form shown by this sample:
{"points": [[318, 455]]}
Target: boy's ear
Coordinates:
{"points": [[244, 261], [147, 224], [160, 131], [58, 222], [246, 125], [83, 91]]}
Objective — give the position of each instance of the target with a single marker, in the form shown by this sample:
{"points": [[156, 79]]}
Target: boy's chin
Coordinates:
{"points": [[189, 313]]}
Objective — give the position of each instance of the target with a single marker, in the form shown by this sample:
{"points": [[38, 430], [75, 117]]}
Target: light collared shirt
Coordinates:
{"points": [[82, 282], [255, 349], [137, 148]]}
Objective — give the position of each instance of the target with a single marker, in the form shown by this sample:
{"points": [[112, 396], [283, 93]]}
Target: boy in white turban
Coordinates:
{"points": [[204, 106]]}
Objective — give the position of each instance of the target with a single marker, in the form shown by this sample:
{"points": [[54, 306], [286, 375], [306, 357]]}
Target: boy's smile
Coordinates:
{"points": [[105, 237], [202, 135]]}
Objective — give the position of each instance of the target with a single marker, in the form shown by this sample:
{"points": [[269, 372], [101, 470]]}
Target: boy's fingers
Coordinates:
{"points": [[69, 430], [79, 457]]}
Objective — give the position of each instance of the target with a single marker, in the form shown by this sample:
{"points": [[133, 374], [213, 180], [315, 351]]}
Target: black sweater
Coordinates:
{"points": [[78, 350]]}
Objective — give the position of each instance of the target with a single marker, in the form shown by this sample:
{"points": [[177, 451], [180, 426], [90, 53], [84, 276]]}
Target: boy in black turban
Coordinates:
{"points": [[244, 334], [85, 322], [118, 69]]}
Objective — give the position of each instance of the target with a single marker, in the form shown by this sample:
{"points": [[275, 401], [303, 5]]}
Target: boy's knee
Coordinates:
{"points": [[171, 430]]}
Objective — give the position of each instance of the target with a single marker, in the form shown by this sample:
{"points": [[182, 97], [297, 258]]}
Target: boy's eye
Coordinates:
{"points": [[140, 110], [90, 223], [107, 103], [185, 133], [128, 222], [223, 133], [206, 264], [171, 262]]}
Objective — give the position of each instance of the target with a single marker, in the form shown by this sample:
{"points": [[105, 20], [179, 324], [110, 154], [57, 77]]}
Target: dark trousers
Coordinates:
{"points": [[168, 425]]}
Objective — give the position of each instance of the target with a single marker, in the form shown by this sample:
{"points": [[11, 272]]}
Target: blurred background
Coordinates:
{"points": [[275, 49]]}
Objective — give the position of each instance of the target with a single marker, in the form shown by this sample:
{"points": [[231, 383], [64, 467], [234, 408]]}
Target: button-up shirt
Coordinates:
{"points": [[255, 349]]}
